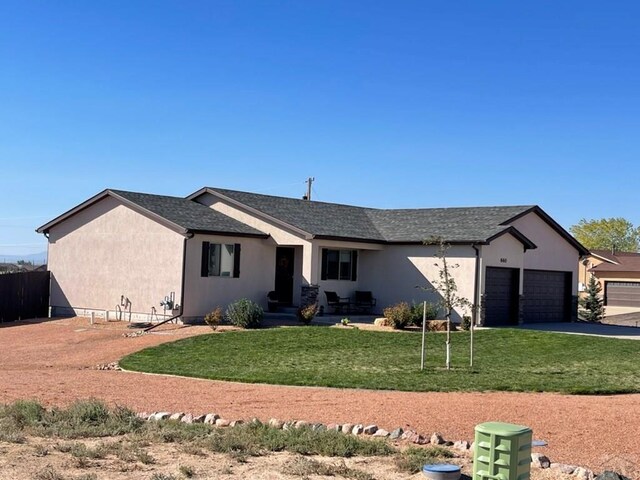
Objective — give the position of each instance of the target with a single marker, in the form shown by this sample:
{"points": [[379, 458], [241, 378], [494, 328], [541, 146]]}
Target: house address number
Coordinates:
{"points": [[503, 260]]}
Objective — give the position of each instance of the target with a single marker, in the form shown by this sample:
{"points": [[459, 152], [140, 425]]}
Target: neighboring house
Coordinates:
{"points": [[618, 274], [216, 246]]}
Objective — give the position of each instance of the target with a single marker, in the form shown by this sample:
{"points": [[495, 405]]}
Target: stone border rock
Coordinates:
{"points": [[463, 447]]}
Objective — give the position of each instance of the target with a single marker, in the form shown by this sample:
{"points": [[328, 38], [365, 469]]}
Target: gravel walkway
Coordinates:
{"points": [[55, 362]]}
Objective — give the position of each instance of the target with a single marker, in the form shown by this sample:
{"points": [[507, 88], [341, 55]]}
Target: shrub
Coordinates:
{"points": [[244, 313], [214, 318], [466, 322], [305, 314], [399, 315], [417, 310]]}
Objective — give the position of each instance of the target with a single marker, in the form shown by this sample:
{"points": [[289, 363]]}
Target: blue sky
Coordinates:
{"points": [[386, 104]]}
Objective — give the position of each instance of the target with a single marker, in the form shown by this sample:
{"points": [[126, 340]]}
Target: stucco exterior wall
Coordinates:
{"points": [[393, 274], [504, 251], [257, 275], [553, 252], [109, 250]]}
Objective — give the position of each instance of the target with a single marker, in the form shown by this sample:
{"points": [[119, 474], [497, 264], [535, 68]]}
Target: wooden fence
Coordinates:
{"points": [[24, 295]]}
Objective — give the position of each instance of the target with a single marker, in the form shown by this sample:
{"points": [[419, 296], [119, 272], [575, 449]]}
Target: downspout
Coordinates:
{"points": [[476, 291], [184, 270]]}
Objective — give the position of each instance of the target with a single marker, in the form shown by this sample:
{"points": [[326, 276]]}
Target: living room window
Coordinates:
{"points": [[220, 259], [339, 264]]}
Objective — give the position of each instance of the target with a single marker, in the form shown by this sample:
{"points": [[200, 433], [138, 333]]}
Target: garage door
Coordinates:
{"points": [[501, 296], [547, 296], [622, 294]]}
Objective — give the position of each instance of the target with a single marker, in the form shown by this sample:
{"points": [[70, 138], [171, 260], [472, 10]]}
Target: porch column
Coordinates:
{"points": [[310, 263]]}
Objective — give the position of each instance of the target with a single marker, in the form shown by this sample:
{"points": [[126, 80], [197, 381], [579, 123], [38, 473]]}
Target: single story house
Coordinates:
{"points": [[514, 263], [618, 274]]}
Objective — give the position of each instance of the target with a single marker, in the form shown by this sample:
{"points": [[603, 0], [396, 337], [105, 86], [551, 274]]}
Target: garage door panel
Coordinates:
{"points": [[546, 296], [622, 294], [501, 296]]}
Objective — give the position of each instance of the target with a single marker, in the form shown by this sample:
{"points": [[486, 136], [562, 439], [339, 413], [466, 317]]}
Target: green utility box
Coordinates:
{"points": [[502, 451]]}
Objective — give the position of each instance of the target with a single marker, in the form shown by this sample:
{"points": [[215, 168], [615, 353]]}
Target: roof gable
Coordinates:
{"points": [[176, 213]]}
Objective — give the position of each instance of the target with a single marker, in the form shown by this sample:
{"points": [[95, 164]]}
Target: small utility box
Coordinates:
{"points": [[502, 451]]}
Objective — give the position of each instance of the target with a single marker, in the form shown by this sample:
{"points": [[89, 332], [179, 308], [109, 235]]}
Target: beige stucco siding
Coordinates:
{"points": [[505, 251], [393, 274], [109, 250], [257, 274], [553, 252]]}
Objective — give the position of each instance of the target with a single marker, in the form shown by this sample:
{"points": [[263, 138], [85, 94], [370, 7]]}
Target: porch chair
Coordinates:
{"points": [[336, 302], [364, 301]]}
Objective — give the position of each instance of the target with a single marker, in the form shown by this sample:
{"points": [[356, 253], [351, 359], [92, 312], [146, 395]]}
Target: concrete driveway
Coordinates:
{"points": [[582, 328]]}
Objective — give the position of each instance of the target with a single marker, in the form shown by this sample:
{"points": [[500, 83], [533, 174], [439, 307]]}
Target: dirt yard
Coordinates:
{"points": [[55, 363]]}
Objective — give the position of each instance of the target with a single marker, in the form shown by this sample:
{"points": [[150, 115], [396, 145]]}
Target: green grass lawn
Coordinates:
{"points": [[505, 359]]}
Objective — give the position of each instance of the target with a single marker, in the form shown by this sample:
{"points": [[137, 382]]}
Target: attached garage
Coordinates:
{"points": [[501, 296], [547, 296], [622, 294]]}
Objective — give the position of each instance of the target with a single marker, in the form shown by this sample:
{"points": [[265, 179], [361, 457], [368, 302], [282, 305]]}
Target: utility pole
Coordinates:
{"points": [[309, 181]]}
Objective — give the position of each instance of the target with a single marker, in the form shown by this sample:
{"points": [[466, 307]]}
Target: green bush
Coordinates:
{"points": [[305, 314], [214, 318], [466, 322], [399, 315], [417, 309], [244, 313]]}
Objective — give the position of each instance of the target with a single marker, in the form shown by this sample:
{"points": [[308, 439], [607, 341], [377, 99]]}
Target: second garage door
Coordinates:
{"points": [[622, 294], [547, 296]]}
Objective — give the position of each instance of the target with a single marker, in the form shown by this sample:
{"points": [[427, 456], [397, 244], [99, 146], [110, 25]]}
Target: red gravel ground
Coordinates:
{"points": [[55, 363]]}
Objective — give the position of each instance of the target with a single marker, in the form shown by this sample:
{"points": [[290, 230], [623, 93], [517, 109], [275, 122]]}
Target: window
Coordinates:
{"points": [[220, 260], [339, 264]]}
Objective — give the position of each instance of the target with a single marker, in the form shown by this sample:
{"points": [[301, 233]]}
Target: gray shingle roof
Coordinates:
{"points": [[472, 224], [187, 214]]}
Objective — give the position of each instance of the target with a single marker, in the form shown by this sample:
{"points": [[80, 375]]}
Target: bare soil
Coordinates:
{"points": [[55, 363], [42, 459]]}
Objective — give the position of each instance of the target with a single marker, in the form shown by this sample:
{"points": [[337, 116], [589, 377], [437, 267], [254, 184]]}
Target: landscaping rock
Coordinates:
{"points": [[370, 429], [318, 427], [396, 434], [461, 445], [583, 473], [357, 429], [334, 427], [275, 423], [448, 443], [564, 468], [609, 475], [161, 416], [211, 418], [188, 418], [407, 434], [301, 424], [142, 415], [152, 416], [436, 439], [199, 418], [235, 423], [418, 439], [256, 421], [381, 322], [347, 427], [221, 422], [381, 432], [539, 460], [176, 417]]}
